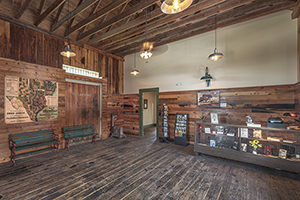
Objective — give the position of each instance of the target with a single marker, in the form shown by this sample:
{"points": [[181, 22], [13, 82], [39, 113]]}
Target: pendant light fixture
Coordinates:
{"points": [[216, 55], [67, 51], [207, 77], [134, 71], [174, 6], [147, 46]]}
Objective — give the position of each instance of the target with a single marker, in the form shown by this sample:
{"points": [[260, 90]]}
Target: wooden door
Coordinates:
{"points": [[82, 105]]}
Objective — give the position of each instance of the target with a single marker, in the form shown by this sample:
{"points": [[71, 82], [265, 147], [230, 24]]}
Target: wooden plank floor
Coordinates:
{"points": [[141, 168]]}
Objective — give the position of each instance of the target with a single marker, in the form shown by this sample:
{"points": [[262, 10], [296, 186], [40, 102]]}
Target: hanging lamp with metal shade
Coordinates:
{"points": [[147, 46], [67, 51], [207, 77], [134, 71], [216, 55], [174, 6]]}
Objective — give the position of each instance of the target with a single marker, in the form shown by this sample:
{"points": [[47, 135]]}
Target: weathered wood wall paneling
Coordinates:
{"points": [[27, 70], [258, 102], [24, 44]]}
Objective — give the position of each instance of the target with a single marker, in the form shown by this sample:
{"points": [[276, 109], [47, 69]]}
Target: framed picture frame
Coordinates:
{"points": [[145, 103], [282, 153], [208, 99]]}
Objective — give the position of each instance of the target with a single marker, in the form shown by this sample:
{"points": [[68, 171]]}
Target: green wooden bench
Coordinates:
{"points": [[32, 140], [72, 132]]}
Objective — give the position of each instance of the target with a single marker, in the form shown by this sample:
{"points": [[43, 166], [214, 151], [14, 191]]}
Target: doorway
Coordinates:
{"points": [[83, 104], [148, 104]]}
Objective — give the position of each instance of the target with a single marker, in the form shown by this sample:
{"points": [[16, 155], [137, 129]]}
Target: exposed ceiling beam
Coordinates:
{"points": [[92, 12], [136, 22], [59, 12], [122, 10], [41, 7], [23, 8], [188, 20], [160, 22], [49, 10], [72, 20], [296, 11], [96, 16], [117, 18], [85, 5], [226, 19]]}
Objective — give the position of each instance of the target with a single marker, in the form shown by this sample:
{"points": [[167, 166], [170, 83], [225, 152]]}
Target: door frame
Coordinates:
{"points": [[141, 91], [100, 99]]}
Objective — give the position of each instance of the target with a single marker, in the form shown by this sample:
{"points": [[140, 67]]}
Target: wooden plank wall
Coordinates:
{"points": [[20, 46], [258, 102], [82, 105], [24, 44], [108, 66], [131, 114], [28, 70]]}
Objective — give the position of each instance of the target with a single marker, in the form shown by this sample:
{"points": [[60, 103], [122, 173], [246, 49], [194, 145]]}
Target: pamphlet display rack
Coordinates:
{"points": [[164, 123], [180, 132]]}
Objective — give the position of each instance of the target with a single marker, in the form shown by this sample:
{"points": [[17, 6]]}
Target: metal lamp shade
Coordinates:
{"points": [[68, 52], [216, 55], [134, 72], [175, 6]]}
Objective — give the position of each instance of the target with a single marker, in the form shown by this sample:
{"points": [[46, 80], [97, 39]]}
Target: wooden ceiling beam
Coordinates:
{"points": [[188, 20], [59, 12], [23, 8], [160, 22], [48, 11], [122, 10], [41, 7], [136, 22], [296, 11], [91, 13], [85, 5], [226, 19], [117, 18], [97, 15], [72, 20]]}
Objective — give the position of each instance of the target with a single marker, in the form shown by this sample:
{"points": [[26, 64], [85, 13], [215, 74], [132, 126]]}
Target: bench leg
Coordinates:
{"points": [[67, 146], [56, 146], [94, 139], [13, 158]]}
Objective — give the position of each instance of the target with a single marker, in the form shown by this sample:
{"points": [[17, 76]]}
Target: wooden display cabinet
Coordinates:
{"points": [[269, 147]]}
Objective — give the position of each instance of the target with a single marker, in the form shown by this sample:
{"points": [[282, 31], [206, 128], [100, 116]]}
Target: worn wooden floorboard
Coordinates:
{"points": [[141, 168]]}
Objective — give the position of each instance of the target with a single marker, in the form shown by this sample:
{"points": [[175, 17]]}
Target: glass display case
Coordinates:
{"points": [[270, 147]]}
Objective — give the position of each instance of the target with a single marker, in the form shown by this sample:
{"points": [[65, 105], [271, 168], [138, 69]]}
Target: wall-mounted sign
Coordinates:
{"points": [[80, 71]]}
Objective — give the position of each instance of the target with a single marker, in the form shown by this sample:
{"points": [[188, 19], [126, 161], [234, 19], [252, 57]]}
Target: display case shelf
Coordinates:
{"points": [[255, 145]]}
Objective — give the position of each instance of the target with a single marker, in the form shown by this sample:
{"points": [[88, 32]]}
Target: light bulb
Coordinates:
{"points": [[176, 5], [68, 54]]}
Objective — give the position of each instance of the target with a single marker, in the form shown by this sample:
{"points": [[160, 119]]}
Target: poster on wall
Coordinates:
{"points": [[208, 99], [30, 100]]}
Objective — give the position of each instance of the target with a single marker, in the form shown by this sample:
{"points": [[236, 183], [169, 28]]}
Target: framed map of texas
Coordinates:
{"points": [[30, 100]]}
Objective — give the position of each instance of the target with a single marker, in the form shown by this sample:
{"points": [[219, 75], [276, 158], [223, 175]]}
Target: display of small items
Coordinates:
{"points": [[164, 121], [180, 129], [252, 140], [215, 137]]}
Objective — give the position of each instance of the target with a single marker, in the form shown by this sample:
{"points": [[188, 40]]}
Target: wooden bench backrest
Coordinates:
{"points": [[78, 131], [74, 128], [32, 137]]}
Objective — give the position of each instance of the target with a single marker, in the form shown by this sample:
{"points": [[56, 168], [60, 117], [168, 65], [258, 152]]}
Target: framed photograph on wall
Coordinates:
{"points": [[145, 103], [208, 99]]}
